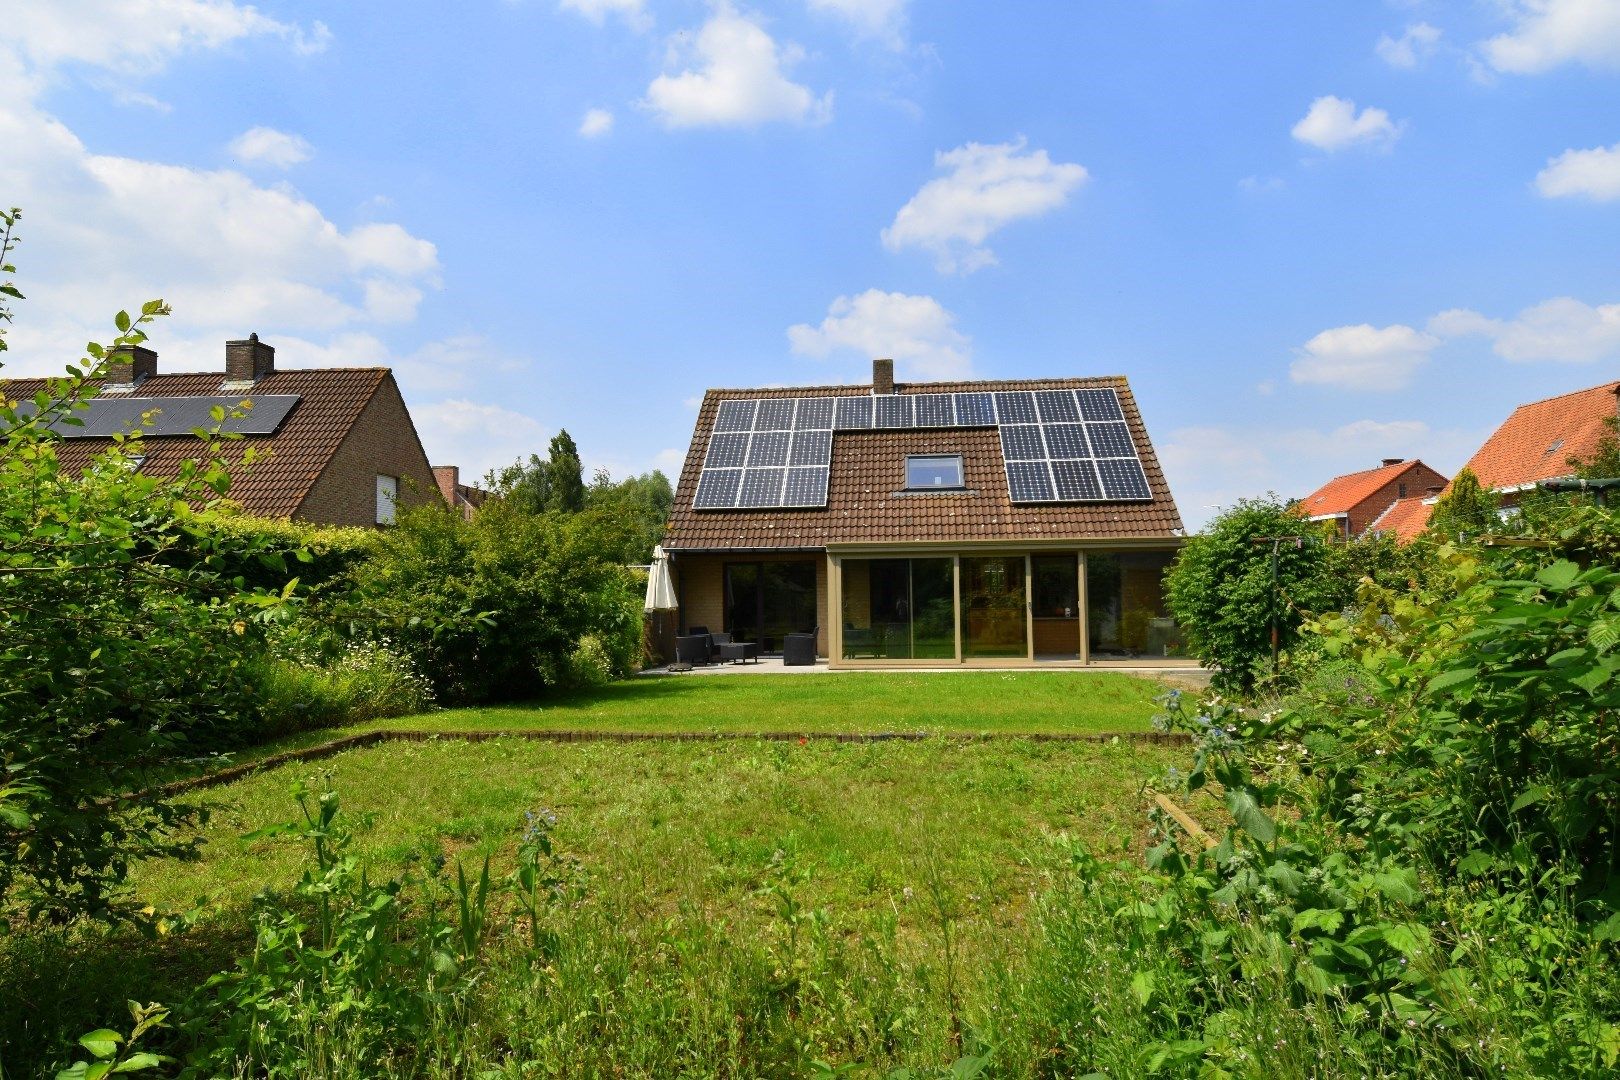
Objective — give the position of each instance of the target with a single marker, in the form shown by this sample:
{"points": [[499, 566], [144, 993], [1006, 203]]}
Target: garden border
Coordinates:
{"points": [[363, 739]]}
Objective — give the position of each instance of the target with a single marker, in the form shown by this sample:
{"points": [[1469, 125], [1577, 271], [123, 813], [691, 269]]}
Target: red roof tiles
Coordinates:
{"points": [[290, 460], [1345, 493], [867, 503], [1405, 519], [1539, 439]]}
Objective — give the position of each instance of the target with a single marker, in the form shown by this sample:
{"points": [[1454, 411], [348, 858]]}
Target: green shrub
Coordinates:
{"points": [[500, 608], [319, 556]]}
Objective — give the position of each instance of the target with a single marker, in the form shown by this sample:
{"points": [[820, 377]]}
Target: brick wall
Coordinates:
{"points": [[382, 442], [1418, 479], [700, 584]]}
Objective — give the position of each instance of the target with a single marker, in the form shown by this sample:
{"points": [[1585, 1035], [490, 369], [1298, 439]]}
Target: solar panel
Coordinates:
{"points": [[1022, 442], [811, 448], [1066, 441], [775, 414], [717, 489], [1111, 440], [735, 416], [806, 487], [262, 414], [975, 410], [854, 413], [1076, 481], [1099, 404], [1057, 445], [815, 414], [1028, 481], [1016, 407], [1124, 479], [891, 411], [726, 451], [935, 411], [1057, 406], [768, 448], [762, 487]]}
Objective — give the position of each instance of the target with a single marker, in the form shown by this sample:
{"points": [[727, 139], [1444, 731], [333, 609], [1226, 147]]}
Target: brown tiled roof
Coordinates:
{"points": [[1344, 493], [1537, 441], [866, 501], [289, 461], [1405, 518]]}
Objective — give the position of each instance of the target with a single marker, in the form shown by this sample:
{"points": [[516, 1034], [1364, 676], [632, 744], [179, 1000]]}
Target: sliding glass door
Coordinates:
{"points": [[899, 609], [994, 607], [766, 601]]}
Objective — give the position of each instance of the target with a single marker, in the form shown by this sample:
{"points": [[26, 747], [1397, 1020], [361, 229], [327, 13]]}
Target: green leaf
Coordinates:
{"points": [[1559, 576], [103, 1042], [1399, 885], [137, 1062], [1451, 678], [122, 319], [1314, 979], [1247, 813], [1142, 987], [1530, 796], [1594, 680]]}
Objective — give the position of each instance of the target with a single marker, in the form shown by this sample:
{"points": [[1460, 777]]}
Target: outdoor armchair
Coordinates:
{"points": [[692, 649], [799, 650]]}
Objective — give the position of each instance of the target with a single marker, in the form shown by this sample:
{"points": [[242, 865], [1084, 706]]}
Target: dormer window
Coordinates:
{"points": [[934, 472]]}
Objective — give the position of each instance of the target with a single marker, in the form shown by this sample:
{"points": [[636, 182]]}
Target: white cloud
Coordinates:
{"points": [[106, 232], [633, 12], [140, 38], [1363, 357], [1413, 47], [1592, 174], [878, 20], [986, 187], [1548, 33], [1333, 124], [267, 146], [918, 333], [1260, 185], [738, 79], [1560, 330], [476, 436], [596, 123]]}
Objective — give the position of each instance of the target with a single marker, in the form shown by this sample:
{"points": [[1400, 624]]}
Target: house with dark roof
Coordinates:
{"points": [[1356, 501], [465, 499], [334, 446], [1540, 439], [953, 523]]}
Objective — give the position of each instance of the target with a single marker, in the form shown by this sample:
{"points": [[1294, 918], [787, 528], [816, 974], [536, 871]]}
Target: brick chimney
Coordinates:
{"points": [[248, 361], [448, 478], [127, 367], [1391, 461], [883, 376]]}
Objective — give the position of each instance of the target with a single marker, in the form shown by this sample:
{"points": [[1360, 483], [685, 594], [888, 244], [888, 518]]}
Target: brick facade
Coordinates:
{"points": [[1414, 481], [382, 441]]}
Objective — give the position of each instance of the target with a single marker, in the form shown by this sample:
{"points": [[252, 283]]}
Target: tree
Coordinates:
{"points": [[642, 503], [1223, 596], [1466, 509], [554, 484], [122, 639], [565, 475]]}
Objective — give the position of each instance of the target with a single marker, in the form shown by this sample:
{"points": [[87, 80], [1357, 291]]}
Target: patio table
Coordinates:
{"points": [[739, 652]]}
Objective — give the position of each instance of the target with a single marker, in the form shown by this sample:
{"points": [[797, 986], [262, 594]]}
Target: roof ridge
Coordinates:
{"points": [[1610, 385], [910, 385]]}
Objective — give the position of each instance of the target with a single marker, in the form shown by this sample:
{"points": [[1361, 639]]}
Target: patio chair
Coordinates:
{"points": [[717, 639], [692, 649], [799, 650]]}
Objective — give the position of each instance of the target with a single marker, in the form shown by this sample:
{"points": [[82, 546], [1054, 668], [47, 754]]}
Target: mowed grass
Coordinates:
{"points": [[697, 861], [1022, 702]]}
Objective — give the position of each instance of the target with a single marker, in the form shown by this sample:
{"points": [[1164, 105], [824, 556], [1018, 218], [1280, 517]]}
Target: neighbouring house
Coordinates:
{"points": [[336, 446], [977, 523], [1538, 441], [464, 498], [1356, 501]]}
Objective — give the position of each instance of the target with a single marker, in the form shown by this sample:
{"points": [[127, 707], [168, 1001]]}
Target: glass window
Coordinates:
{"points": [[899, 609], [934, 471], [387, 494], [766, 601]]}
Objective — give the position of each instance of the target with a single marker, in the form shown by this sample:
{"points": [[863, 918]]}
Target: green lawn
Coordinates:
{"points": [[948, 702], [694, 857]]}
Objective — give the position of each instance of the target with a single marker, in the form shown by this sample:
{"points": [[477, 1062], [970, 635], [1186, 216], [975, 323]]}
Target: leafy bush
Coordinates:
{"points": [[501, 607], [317, 555], [115, 655], [1223, 596]]}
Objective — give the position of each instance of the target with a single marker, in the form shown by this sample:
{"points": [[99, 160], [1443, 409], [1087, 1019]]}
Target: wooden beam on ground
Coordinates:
{"points": [[1182, 818]]}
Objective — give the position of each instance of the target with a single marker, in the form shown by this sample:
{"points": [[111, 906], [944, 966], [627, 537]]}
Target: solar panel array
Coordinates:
{"points": [[109, 415], [1058, 445]]}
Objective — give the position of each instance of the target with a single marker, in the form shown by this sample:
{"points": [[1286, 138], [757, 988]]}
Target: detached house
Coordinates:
{"points": [[976, 523], [336, 445], [1374, 500]]}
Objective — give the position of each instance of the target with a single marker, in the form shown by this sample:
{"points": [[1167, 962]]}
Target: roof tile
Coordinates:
{"points": [[1539, 439]]}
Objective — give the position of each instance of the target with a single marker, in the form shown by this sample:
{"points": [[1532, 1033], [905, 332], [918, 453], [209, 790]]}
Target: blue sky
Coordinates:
{"points": [[1312, 235]]}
